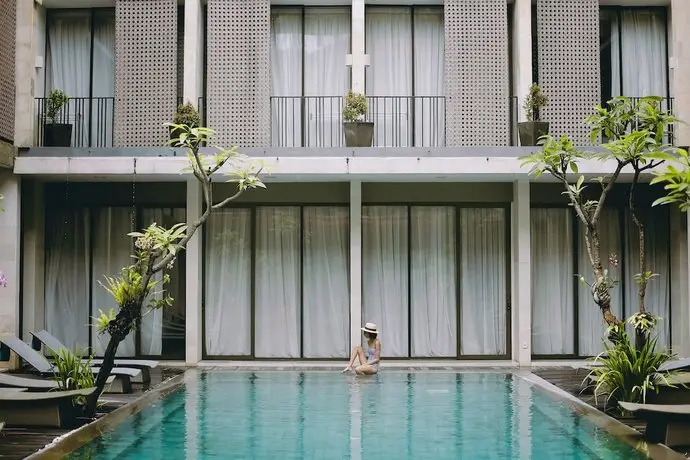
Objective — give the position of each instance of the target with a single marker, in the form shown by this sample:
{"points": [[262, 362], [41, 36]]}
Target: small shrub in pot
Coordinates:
{"points": [[56, 134], [534, 128], [187, 115], [358, 133]]}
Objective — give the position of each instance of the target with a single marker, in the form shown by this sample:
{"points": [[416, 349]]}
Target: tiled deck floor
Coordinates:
{"points": [[18, 443]]}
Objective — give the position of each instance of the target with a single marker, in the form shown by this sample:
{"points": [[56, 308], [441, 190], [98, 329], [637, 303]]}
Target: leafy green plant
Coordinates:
{"points": [[187, 114], [73, 372], [534, 102], [56, 101], [627, 373], [676, 180], [355, 107]]}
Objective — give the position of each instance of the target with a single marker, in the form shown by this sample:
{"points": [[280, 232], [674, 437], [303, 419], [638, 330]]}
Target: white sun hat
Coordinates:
{"points": [[370, 327]]}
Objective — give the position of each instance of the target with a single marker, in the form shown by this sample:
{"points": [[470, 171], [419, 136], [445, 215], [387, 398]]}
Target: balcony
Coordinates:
{"points": [[399, 121], [91, 120]]}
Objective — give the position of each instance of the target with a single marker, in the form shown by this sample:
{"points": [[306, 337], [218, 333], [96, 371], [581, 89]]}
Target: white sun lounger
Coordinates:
{"points": [[44, 367], [46, 338], [9, 381]]}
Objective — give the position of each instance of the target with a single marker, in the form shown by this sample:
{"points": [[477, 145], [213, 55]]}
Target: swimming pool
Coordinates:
{"points": [[324, 415]]}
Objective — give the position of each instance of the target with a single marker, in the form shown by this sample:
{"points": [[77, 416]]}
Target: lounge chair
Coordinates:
{"points": [[49, 409], [46, 338], [10, 381], [44, 367], [667, 424]]}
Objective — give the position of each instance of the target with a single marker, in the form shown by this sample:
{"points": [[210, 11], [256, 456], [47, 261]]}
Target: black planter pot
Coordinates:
{"points": [[57, 135], [359, 134], [531, 131]]}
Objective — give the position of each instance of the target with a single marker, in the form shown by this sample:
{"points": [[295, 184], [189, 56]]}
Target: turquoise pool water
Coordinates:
{"points": [[323, 415]]}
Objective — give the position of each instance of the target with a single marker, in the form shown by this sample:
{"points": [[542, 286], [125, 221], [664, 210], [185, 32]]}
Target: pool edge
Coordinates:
{"points": [[75, 439], [613, 427]]}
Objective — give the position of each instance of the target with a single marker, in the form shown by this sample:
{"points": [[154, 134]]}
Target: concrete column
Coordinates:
{"points": [[9, 251], [680, 283], [521, 275], [680, 68], [33, 270], [355, 262], [194, 324], [522, 52], [193, 51], [25, 75], [358, 60]]}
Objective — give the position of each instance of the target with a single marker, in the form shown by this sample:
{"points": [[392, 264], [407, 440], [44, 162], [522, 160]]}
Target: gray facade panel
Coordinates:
{"points": [[8, 27], [477, 73], [145, 71], [238, 72], [569, 63]]}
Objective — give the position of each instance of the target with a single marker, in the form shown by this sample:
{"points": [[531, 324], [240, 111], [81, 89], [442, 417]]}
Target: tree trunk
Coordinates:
{"points": [[103, 374], [601, 294]]}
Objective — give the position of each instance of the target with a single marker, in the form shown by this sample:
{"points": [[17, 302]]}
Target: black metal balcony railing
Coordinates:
{"points": [[92, 120], [399, 121]]}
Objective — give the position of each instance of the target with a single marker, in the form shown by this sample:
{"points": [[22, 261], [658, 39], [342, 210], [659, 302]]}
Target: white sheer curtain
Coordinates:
{"points": [[67, 275], [433, 299], [640, 37], [385, 275], [286, 77], [68, 63], [591, 324], [326, 282], [103, 79], [553, 312], [429, 62], [389, 45], [277, 284], [227, 283], [483, 281], [326, 43], [657, 296], [112, 250]]}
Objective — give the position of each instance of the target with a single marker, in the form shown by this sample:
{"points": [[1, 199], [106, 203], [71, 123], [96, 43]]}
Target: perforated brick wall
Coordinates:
{"points": [[238, 74], [8, 15], [476, 73], [568, 37], [145, 71]]}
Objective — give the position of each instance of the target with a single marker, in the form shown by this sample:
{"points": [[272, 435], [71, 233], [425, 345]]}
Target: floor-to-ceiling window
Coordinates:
{"points": [[86, 242], [435, 279], [80, 61], [276, 282], [308, 75], [565, 319], [634, 52], [405, 78]]}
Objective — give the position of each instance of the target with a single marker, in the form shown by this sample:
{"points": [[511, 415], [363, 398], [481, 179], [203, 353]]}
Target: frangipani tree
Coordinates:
{"points": [[140, 286], [636, 131]]}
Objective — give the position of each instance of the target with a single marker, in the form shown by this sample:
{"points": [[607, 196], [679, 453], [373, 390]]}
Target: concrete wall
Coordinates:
{"points": [[10, 252], [680, 46]]}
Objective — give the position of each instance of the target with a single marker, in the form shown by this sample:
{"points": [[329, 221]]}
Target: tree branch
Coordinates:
{"points": [[606, 190]]}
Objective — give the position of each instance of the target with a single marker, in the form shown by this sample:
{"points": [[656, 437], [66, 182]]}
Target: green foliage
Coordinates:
{"points": [[534, 102], [355, 107], [56, 101], [643, 322], [630, 374], [676, 179], [188, 115], [73, 372]]}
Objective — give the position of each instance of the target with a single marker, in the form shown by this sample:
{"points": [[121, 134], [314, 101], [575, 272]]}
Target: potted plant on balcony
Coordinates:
{"points": [[56, 134], [358, 133], [186, 114], [530, 131]]}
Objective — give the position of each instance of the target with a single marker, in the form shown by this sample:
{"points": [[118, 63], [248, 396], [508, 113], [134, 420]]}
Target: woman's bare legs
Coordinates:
{"points": [[357, 353]]}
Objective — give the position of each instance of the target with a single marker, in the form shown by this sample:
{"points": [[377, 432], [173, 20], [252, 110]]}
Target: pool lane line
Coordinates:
{"points": [[75, 439]]}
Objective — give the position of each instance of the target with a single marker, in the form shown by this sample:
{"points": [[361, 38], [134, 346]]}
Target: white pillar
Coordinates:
{"points": [[193, 51], [25, 74], [355, 262], [9, 251], [521, 276], [680, 68], [680, 282], [358, 60], [522, 51], [193, 327], [33, 235]]}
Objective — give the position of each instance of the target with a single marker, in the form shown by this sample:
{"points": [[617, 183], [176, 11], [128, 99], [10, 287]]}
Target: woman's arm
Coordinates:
{"points": [[377, 358]]}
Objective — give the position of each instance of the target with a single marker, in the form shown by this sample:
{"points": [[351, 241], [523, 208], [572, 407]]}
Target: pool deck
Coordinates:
{"points": [[19, 443]]}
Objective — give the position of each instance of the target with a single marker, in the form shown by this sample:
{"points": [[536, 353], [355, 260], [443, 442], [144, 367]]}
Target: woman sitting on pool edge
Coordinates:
{"points": [[369, 359]]}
